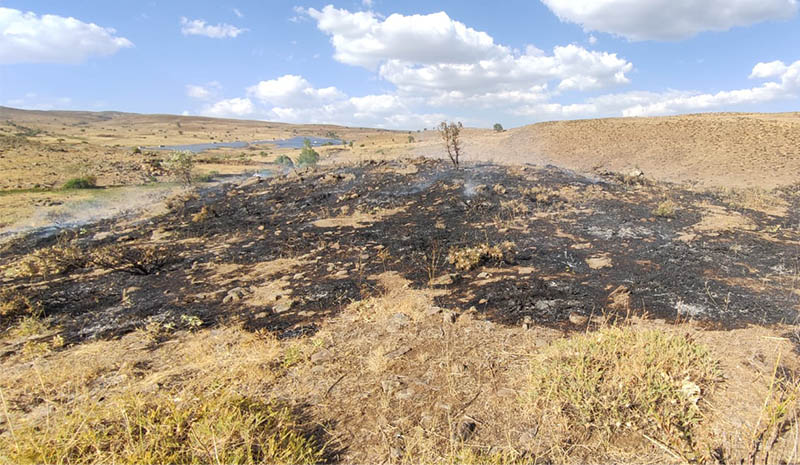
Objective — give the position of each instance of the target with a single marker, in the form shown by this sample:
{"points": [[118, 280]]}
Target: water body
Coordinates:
{"points": [[292, 143]]}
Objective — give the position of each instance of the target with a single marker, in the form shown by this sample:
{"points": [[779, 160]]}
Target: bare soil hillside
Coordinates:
{"points": [[720, 149]]}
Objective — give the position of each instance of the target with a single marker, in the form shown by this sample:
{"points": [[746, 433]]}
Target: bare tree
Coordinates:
{"points": [[451, 135]]}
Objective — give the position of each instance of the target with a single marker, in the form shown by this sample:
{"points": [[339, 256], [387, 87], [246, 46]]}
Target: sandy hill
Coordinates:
{"points": [[730, 149]]}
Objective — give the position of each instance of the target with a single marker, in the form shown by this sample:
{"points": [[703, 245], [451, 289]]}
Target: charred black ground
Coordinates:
{"points": [[576, 241]]}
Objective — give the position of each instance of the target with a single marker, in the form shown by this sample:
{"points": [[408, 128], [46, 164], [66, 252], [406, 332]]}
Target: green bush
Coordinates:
{"points": [[308, 156], [283, 160], [83, 182], [498, 127]]}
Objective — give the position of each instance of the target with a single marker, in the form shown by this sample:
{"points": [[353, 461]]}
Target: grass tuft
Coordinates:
{"points": [[666, 209], [620, 380], [216, 426], [469, 258]]}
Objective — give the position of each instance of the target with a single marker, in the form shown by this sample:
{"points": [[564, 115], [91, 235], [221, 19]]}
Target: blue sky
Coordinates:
{"points": [[402, 64]]}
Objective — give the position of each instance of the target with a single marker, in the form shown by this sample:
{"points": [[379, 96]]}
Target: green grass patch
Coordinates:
{"points": [[168, 427], [619, 380], [83, 182]]}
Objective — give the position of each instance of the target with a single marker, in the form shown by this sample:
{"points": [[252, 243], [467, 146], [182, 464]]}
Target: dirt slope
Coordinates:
{"points": [[722, 149]]}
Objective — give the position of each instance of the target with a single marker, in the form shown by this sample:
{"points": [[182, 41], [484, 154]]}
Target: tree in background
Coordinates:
{"points": [[451, 135], [308, 156], [498, 127]]}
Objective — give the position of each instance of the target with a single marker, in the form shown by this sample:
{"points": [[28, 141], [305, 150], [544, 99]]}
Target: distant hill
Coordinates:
{"points": [[725, 149]]}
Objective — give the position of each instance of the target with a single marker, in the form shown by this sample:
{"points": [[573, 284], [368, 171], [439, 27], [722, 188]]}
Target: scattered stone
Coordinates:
{"points": [[397, 353], [544, 305], [483, 275], [599, 261], [282, 307], [577, 319], [322, 355], [449, 317], [446, 280], [405, 394], [464, 430], [527, 322], [620, 298], [395, 453], [433, 311], [397, 322], [392, 384], [499, 189]]}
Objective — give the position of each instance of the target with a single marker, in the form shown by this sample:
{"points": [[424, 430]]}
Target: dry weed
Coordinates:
{"points": [[139, 260], [469, 258]]}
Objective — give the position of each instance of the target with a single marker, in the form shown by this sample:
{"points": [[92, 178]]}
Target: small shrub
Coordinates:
{"points": [[180, 165], [469, 258], [620, 379], [541, 195], [308, 156], [666, 209], [31, 325], [83, 182], [515, 208], [498, 127], [283, 160], [14, 305], [57, 259], [192, 322], [451, 136], [204, 214], [141, 260], [411, 139], [137, 150], [216, 426], [208, 177]]}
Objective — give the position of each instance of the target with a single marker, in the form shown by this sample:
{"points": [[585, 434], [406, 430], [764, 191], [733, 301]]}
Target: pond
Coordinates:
{"points": [[291, 143]]}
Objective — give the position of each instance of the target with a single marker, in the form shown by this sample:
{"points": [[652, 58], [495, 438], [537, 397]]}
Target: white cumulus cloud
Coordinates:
{"points": [[768, 70], [786, 86], [434, 54], [364, 39], [198, 27], [292, 90], [234, 107], [668, 19], [26, 37]]}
